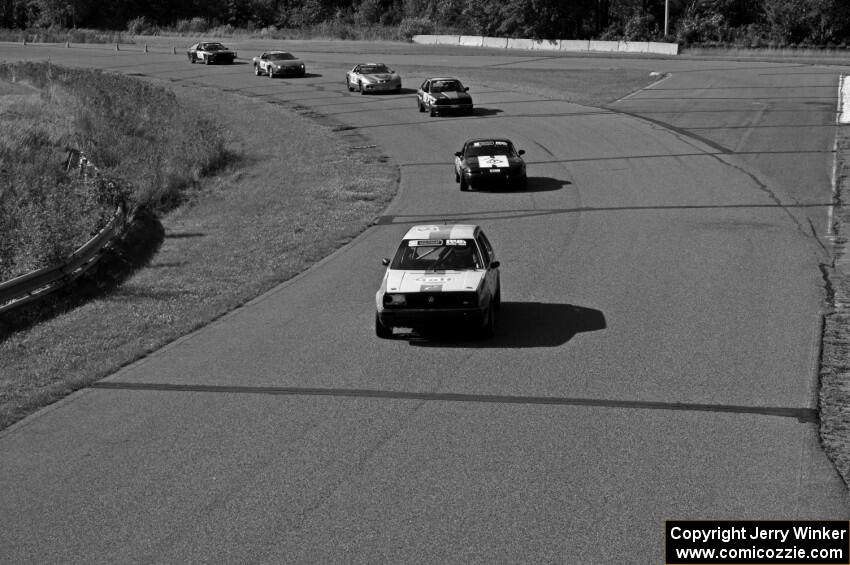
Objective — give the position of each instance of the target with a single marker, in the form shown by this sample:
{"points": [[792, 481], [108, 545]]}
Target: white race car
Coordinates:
{"points": [[441, 277]]}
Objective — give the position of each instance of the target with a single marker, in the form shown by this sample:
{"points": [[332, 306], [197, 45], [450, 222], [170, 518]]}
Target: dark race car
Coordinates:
{"points": [[440, 94], [209, 52], [489, 162]]}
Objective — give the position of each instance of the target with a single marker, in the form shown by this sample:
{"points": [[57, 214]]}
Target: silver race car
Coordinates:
{"points": [[372, 77]]}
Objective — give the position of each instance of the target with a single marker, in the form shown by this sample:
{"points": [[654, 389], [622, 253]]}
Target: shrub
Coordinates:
{"points": [[415, 26], [141, 26]]}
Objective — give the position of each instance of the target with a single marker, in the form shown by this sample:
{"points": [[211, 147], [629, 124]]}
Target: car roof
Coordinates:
{"points": [[488, 140], [276, 52], [442, 231], [444, 78]]}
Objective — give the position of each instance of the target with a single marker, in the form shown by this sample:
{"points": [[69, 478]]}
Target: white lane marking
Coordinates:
{"points": [[842, 117]]}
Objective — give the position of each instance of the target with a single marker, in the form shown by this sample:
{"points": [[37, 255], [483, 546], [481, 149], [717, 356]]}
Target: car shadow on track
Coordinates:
{"points": [[533, 184], [296, 77], [522, 325], [479, 111], [403, 91]]}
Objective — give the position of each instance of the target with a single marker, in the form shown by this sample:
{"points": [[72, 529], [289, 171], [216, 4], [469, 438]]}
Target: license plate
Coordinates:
{"points": [[495, 170]]}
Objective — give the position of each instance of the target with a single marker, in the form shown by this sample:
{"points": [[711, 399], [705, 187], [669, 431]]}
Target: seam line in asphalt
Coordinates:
{"points": [[803, 415]]}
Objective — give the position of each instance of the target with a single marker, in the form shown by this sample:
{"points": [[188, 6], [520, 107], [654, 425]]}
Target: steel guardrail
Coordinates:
{"points": [[41, 282]]}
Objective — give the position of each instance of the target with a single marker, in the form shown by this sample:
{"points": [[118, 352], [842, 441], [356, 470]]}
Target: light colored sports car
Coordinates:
{"points": [[372, 77], [210, 52], [443, 94], [278, 63], [442, 277]]}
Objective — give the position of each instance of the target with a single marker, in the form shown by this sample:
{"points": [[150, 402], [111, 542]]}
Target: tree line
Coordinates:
{"points": [[750, 22]]}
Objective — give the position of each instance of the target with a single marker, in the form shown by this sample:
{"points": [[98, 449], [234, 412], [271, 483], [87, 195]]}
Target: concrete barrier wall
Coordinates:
{"points": [[603, 46], [664, 48], [547, 45], [633, 46], [514, 43], [577, 45], [500, 42]]}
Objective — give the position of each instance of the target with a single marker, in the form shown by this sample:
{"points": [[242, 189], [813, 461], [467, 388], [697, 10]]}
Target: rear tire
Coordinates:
{"points": [[432, 111], [463, 184], [421, 106], [381, 330], [348, 85], [256, 70]]}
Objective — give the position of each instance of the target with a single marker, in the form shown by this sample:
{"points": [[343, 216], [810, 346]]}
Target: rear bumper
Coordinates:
{"points": [[477, 180]]}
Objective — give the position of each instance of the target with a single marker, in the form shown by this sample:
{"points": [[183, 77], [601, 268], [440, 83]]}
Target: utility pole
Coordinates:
{"points": [[666, 17]]}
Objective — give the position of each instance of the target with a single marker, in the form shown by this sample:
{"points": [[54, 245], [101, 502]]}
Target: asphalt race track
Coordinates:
{"points": [[656, 356]]}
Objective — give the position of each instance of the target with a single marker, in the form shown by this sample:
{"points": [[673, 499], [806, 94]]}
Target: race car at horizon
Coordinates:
{"points": [[209, 52], [488, 162], [372, 77], [274, 63], [442, 279], [438, 95]]}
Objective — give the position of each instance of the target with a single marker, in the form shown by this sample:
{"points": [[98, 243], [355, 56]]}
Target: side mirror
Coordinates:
{"points": [[458, 153], [494, 265], [521, 152], [385, 262], [466, 89]]}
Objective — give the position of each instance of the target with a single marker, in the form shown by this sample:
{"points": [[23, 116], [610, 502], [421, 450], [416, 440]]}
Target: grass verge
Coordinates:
{"points": [[834, 400], [134, 132], [245, 230]]}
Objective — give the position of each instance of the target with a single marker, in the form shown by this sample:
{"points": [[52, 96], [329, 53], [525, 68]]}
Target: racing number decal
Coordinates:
{"points": [[490, 161]]}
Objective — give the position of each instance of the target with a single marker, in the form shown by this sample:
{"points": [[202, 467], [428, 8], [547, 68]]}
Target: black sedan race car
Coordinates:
{"points": [[209, 52], [489, 162], [440, 94]]}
